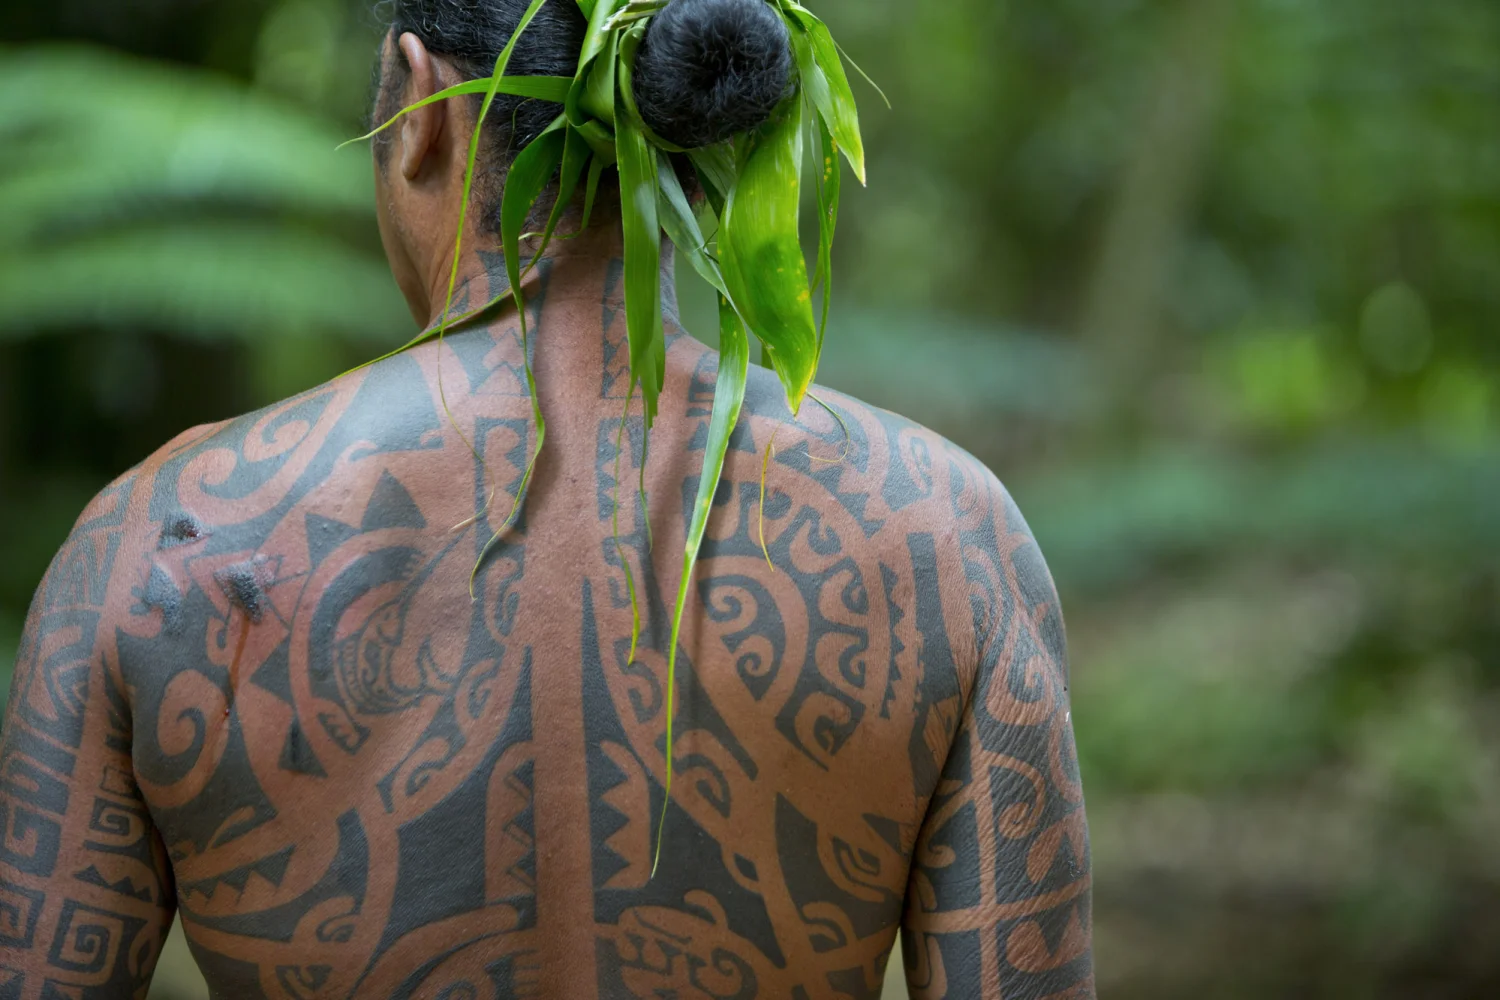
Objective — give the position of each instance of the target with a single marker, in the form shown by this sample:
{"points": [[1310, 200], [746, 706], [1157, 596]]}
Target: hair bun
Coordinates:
{"points": [[709, 69]]}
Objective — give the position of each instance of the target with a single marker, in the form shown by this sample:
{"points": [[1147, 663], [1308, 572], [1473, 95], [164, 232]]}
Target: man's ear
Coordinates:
{"points": [[421, 129]]}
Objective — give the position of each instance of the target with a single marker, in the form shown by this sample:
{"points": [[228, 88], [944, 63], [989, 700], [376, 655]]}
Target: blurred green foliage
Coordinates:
{"points": [[178, 201], [1214, 286]]}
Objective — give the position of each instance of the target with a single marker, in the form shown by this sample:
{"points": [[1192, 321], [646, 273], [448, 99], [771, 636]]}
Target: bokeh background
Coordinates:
{"points": [[1213, 285]]}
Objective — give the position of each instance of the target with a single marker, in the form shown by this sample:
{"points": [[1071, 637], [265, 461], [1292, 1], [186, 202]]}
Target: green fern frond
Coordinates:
{"points": [[142, 195], [89, 138], [225, 280]]}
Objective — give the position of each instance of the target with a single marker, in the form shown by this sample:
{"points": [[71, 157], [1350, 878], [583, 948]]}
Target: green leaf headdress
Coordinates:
{"points": [[753, 186]]}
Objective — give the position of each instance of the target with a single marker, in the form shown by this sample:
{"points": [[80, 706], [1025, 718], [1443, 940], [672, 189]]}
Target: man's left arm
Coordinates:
{"points": [[86, 894], [999, 904]]}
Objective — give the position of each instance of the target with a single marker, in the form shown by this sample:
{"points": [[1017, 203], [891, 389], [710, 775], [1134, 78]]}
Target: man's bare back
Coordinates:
{"points": [[254, 688], [277, 680]]}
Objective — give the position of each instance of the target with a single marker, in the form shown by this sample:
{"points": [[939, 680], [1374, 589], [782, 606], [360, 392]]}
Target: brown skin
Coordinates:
{"points": [[254, 689], [419, 189]]}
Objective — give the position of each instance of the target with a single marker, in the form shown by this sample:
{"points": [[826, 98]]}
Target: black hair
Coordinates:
{"points": [[711, 68], [706, 70], [470, 34]]}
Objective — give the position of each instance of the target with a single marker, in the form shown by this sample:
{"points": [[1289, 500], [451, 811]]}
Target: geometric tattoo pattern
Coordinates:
{"points": [[254, 692]]}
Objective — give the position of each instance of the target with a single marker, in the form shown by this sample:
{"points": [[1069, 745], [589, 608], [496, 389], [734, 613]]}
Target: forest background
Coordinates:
{"points": [[1213, 285]]}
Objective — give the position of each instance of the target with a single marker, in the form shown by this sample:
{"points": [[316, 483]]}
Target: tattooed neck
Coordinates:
{"points": [[574, 265]]}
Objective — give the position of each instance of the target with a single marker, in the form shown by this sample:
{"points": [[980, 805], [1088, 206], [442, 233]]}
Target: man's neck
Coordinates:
{"points": [[569, 283], [582, 263]]}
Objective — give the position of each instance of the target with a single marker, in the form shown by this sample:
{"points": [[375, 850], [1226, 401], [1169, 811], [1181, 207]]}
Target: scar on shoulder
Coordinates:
{"points": [[181, 529], [244, 585]]}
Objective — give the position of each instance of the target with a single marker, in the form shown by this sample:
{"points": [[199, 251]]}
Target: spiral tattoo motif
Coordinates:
{"points": [[256, 693]]}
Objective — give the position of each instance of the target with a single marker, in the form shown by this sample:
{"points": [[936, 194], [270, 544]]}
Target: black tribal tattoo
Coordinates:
{"points": [[254, 692]]}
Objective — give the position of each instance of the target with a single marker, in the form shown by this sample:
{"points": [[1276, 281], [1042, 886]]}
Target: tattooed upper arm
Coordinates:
{"points": [[998, 904], [84, 886]]}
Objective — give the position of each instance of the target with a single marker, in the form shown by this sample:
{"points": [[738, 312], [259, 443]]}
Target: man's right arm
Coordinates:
{"points": [[999, 900], [85, 886]]}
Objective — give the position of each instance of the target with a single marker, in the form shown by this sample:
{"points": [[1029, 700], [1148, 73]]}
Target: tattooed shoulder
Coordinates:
{"points": [[906, 603], [83, 885], [999, 898]]}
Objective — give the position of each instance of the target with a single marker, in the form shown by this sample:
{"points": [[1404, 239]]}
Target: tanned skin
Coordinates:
{"points": [[254, 689]]}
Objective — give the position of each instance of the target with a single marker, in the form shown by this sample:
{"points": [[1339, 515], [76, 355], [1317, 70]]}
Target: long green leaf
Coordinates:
{"points": [[643, 313], [576, 155], [600, 139], [501, 62], [716, 169], [681, 224], [867, 77], [636, 10], [527, 178], [829, 183], [795, 10], [597, 99], [542, 88], [596, 171], [595, 39], [761, 256], [448, 323], [525, 181], [729, 398], [824, 81], [635, 606]]}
